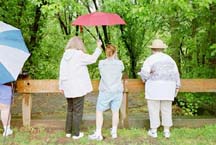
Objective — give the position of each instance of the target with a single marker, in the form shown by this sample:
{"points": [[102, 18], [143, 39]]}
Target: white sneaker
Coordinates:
{"points": [[68, 135], [81, 134], [152, 134], [95, 137], [167, 134], [113, 134], [8, 132]]}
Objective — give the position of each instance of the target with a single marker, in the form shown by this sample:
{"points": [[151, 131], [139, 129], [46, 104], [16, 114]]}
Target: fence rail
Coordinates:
{"points": [[27, 87]]}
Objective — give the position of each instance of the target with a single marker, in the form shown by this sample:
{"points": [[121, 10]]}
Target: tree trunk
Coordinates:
{"points": [[63, 25], [35, 26], [211, 37], [212, 26], [175, 44], [106, 39], [22, 8], [132, 73]]}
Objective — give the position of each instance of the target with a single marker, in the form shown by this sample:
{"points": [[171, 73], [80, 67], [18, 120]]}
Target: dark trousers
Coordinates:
{"points": [[74, 115]]}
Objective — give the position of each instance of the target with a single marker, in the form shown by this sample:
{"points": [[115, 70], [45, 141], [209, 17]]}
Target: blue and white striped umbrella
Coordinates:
{"points": [[13, 53]]}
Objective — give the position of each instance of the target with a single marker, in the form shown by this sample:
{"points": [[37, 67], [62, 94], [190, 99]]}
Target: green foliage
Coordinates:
{"points": [[45, 59], [189, 104], [193, 104], [188, 28]]}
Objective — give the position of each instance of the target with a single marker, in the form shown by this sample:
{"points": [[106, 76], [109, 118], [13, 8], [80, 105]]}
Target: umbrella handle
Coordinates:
{"points": [[103, 45], [90, 33]]}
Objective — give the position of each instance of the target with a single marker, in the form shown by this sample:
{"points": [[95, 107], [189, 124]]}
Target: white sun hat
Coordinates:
{"points": [[158, 43]]}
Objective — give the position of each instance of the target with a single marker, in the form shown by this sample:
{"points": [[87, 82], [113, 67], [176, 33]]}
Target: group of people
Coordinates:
{"points": [[159, 72]]}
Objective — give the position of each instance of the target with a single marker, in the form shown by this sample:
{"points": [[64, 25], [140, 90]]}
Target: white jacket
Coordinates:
{"points": [[74, 78], [161, 75]]}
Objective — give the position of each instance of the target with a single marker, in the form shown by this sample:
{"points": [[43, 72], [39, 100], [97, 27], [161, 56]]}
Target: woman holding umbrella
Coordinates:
{"points": [[75, 83]]}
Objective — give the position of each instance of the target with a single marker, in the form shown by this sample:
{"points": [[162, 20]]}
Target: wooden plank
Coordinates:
{"points": [[187, 85], [198, 85], [193, 123], [124, 108], [131, 85], [37, 86], [43, 86], [26, 109]]}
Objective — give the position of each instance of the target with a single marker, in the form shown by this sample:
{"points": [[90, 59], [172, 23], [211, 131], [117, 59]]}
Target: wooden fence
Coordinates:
{"points": [[27, 87]]}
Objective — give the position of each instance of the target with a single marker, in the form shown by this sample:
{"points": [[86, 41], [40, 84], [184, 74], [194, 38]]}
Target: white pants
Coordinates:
{"points": [[157, 106]]}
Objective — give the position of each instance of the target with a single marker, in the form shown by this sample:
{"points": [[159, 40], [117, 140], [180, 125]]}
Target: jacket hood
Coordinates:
{"points": [[68, 55]]}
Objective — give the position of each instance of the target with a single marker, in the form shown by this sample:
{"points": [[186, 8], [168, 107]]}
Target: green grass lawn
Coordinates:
{"points": [[180, 136]]}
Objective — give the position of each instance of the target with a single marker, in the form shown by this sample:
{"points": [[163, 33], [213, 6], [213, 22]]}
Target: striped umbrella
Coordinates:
{"points": [[13, 53]]}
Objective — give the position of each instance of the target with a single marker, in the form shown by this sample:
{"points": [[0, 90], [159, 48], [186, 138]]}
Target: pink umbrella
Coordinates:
{"points": [[98, 19]]}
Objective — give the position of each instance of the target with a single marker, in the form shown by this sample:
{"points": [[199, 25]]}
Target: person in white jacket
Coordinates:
{"points": [[162, 82], [75, 83]]}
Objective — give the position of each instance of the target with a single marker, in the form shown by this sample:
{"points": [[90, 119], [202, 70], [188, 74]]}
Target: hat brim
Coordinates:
{"points": [[159, 47]]}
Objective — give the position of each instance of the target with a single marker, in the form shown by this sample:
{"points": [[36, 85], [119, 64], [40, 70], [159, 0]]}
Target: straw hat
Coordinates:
{"points": [[158, 43]]}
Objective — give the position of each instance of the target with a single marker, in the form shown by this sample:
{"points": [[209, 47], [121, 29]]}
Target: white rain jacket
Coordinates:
{"points": [[74, 78], [161, 75]]}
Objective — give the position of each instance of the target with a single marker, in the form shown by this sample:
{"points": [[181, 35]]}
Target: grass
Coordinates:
{"points": [[180, 136]]}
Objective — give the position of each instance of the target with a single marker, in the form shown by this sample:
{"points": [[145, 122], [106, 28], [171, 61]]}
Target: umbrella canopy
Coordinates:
{"points": [[99, 19], [13, 53]]}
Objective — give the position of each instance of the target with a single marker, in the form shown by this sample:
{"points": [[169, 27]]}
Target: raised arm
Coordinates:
{"points": [[89, 59]]}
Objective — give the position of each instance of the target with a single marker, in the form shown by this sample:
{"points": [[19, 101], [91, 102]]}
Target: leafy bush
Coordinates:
{"points": [[193, 104]]}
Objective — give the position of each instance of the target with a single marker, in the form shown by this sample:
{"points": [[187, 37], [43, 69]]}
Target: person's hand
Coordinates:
{"points": [[115, 55], [99, 43], [176, 92], [62, 91]]}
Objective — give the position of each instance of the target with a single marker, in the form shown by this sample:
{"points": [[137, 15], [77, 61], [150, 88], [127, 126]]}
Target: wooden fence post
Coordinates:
{"points": [[26, 109], [124, 107], [26, 103]]}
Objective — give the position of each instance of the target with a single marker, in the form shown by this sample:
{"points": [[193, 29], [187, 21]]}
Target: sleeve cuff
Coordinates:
{"points": [[98, 49]]}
